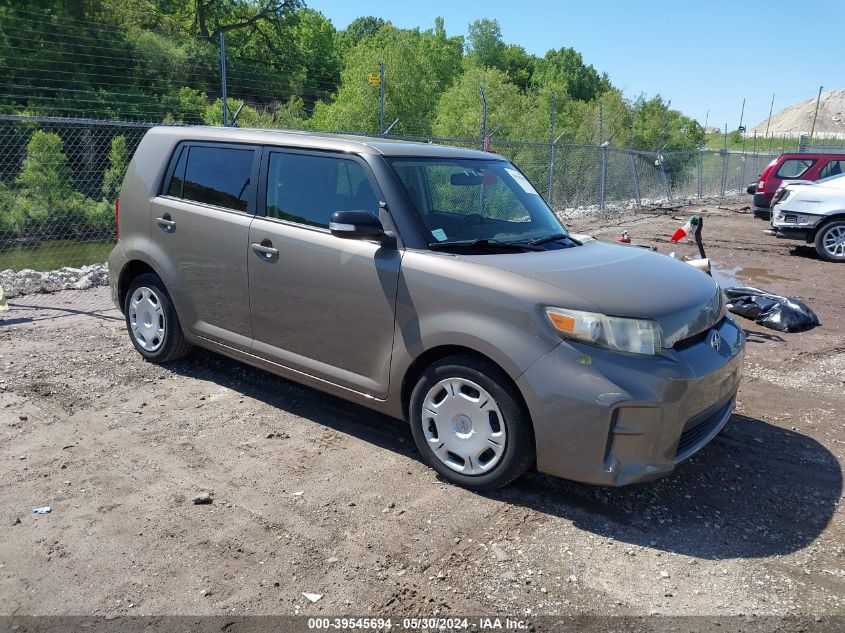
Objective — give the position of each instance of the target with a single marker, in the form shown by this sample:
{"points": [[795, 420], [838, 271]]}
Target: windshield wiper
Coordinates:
{"points": [[548, 238], [484, 243]]}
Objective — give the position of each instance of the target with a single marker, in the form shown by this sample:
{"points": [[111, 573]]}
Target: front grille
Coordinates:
{"points": [[694, 435], [695, 339]]}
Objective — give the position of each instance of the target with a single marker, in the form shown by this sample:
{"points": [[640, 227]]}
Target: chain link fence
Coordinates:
{"points": [[59, 179]]}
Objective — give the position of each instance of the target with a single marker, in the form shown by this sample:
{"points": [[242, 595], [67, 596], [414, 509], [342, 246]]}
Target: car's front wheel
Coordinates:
{"points": [[152, 321], [830, 241], [469, 423]]}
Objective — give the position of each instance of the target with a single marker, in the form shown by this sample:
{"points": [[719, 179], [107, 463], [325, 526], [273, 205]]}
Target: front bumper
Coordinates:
{"points": [[792, 225], [616, 419]]}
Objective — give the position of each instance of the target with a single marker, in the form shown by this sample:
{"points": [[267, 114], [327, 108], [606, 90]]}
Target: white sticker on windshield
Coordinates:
{"points": [[439, 235], [522, 181]]}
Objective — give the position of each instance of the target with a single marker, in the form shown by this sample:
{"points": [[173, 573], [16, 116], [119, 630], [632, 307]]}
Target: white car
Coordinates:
{"points": [[813, 212]]}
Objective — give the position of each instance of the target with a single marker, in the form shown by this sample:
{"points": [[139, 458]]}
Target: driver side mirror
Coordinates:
{"points": [[356, 225]]}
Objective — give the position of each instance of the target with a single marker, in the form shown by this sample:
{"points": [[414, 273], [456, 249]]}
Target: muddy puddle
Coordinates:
{"points": [[745, 275]]}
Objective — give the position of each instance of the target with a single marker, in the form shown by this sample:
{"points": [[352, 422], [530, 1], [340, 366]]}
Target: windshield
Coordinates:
{"points": [[472, 200]]}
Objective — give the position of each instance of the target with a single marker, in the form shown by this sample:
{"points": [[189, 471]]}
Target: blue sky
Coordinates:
{"points": [[702, 55]]}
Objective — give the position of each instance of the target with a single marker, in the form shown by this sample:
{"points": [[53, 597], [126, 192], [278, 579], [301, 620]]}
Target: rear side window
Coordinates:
{"points": [[832, 168], [308, 189], [795, 167]]}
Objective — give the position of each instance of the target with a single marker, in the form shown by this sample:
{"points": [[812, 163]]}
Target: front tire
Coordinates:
{"points": [[830, 241], [152, 322], [470, 424]]}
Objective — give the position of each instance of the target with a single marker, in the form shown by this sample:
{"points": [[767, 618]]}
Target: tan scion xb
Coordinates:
{"points": [[432, 284]]}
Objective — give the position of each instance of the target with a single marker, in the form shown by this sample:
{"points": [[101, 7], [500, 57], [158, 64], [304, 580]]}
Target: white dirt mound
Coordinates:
{"points": [[798, 119]]}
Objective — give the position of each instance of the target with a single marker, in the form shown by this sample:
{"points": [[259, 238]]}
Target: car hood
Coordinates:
{"points": [[623, 281]]}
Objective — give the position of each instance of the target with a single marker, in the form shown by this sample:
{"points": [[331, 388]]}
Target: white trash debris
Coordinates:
{"points": [[43, 510], [312, 597]]}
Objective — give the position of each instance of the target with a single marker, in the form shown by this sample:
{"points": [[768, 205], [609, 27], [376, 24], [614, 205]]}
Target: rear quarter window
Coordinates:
{"points": [[215, 175], [832, 168], [794, 167], [218, 176]]}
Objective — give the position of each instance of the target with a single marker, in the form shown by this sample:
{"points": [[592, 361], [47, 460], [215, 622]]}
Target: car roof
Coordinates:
{"points": [[791, 155], [320, 140]]}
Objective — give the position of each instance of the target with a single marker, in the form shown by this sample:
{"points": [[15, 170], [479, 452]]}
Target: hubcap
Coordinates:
{"points": [[463, 426], [834, 241], [146, 319]]}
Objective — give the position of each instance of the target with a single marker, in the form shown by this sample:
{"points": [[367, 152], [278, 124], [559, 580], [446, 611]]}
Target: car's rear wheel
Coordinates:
{"points": [[469, 423], [152, 322], [830, 241]]}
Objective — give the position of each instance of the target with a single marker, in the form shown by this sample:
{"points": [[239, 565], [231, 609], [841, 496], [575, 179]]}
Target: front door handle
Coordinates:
{"points": [[166, 223], [266, 251]]}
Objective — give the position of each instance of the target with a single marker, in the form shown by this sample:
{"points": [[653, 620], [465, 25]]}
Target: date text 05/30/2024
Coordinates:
{"points": [[421, 623]]}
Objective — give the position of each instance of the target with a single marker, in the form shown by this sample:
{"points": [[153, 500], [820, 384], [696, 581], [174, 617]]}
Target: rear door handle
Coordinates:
{"points": [[266, 251], [166, 224]]}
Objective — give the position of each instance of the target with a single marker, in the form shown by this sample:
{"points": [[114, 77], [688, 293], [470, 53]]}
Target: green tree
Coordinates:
{"points": [[418, 67], [248, 116], [518, 65], [484, 44], [359, 28], [47, 197], [118, 162], [657, 127], [186, 105], [318, 56], [459, 113], [564, 71], [44, 173]]}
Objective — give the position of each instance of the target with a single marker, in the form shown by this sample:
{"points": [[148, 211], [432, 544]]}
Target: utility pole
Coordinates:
{"points": [[769, 120], [818, 99], [381, 99], [223, 90]]}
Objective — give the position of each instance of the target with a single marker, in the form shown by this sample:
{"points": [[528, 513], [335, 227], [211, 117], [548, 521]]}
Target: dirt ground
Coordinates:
{"points": [[312, 494]]}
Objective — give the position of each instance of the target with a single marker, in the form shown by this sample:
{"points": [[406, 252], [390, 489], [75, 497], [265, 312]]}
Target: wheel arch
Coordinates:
{"points": [[838, 216], [130, 271], [434, 354]]}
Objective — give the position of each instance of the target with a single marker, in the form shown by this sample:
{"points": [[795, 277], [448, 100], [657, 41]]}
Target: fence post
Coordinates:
{"points": [[223, 86], [603, 149], [725, 162], [662, 160], [550, 176], [381, 99], [700, 171], [485, 142], [634, 176]]}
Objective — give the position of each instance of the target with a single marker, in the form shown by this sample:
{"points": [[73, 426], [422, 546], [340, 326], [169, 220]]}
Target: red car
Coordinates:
{"points": [[792, 167]]}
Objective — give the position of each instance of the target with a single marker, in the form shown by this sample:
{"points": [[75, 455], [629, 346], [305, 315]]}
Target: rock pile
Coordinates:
{"points": [[28, 282]]}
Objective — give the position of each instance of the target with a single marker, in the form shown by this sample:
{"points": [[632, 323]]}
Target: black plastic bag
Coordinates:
{"points": [[784, 314]]}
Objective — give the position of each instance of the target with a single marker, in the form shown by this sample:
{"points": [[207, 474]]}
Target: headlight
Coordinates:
{"points": [[638, 336]]}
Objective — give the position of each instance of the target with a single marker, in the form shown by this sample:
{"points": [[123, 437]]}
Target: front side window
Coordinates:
{"points": [[308, 189], [794, 167], [215, 175], [474, 199]]}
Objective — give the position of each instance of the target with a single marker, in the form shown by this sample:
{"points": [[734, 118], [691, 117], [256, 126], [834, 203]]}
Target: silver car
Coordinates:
{"points": [[429, 283], [813, 212]]}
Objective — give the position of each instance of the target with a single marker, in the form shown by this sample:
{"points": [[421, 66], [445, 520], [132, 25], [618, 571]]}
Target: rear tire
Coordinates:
{"points": [[830, 241], [470, 424], [152, 322]]}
